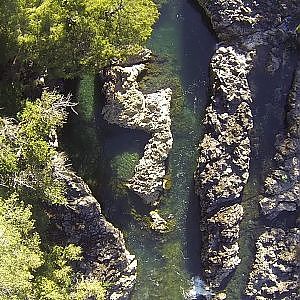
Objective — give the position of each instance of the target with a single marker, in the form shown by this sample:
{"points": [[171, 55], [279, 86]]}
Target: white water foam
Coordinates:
{"points": [[198, 289]]}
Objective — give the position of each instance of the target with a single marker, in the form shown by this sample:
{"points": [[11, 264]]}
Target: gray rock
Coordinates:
{"points": [[275, 272], [244, 28], [128, 107], [282, 186], [223, 165], [105, 256], [220, 255]]}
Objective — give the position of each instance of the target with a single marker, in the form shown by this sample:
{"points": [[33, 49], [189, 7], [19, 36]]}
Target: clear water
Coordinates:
{"points": [[166, 263], [169, 265]]}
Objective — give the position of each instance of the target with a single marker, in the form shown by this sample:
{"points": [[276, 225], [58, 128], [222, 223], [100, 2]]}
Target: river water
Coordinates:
{"points": [[166, 263], [105, 155]]}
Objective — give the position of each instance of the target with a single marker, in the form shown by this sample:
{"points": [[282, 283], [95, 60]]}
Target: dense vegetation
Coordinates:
{"points": [[66, 37], [44, 42]]}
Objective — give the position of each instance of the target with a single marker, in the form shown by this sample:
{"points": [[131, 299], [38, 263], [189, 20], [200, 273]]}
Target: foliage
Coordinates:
{"points": [[31, 169], [19, 249], [69, 36], [56, 281], [29, 164], [123, 165]]}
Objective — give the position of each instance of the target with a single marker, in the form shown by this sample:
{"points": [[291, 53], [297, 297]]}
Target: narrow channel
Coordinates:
{"points": [[105, 155], [167, 262]]}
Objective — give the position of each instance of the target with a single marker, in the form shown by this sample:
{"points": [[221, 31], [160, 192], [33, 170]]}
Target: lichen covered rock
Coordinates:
{"points": [[128, 107], [223, 165], [275, 273]]}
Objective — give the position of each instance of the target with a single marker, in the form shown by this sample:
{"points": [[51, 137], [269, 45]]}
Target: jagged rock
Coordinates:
{"points": [[282, 186], [220, 255], [157, 223], [223, 165], [275, 273], [105, 256], [245, 28], [233, 19], [128, 107]]}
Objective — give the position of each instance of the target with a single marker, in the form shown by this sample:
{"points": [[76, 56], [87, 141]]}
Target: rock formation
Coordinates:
{"points": [[245, 29], [128, 107], [223, 165], [221, 249], [104, 254], [275, 273], [282, 186]]}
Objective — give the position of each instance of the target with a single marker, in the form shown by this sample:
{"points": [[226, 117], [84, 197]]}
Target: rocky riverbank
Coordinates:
{"points": [[82, 223], [128, 107], [248, 32], [282, 186], [275, 271]]}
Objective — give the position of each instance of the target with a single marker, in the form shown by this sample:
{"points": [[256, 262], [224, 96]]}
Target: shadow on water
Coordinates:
{"points": [[198, 44]]}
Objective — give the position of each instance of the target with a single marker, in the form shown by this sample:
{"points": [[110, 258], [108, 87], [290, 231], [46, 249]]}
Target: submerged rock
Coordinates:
{"points": [[105, 256], [128, 107], [275, 273], [157, 223], [282, 186]]}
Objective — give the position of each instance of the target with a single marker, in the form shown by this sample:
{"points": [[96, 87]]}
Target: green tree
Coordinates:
{"points": [[67, 37], [20, 251], [31, 169], [29, 164]]}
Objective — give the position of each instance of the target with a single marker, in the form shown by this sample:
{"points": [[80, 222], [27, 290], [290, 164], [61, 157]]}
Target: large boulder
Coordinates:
{"points": [[128, 107]]}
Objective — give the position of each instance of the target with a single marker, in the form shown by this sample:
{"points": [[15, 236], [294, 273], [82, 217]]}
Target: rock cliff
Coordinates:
{"points": [[128, 107], [282, 186], [275, 273], [105, 256]]}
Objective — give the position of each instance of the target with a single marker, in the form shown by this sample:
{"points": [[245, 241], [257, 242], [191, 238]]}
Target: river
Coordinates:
{"points": [[105, 155]]}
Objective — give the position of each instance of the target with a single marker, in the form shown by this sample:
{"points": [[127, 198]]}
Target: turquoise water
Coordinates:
{"points": [[166, 263], [105, 155]]}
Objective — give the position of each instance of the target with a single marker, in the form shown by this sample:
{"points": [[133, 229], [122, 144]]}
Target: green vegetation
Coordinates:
{"points": [[26, 156], [44, 43], [66, 38], [123, 167], [32, 171]]}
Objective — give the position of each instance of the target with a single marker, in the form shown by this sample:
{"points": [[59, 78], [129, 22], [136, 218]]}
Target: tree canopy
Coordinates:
{"points": [[32, 172], [66, 37]]}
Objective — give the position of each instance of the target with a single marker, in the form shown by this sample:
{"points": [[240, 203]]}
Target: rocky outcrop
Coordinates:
{"points": [[245, 29], [223, 165], [235, 19], [128, 107], [82, 223], [221, 250], [282, 186], [275, 273]]}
